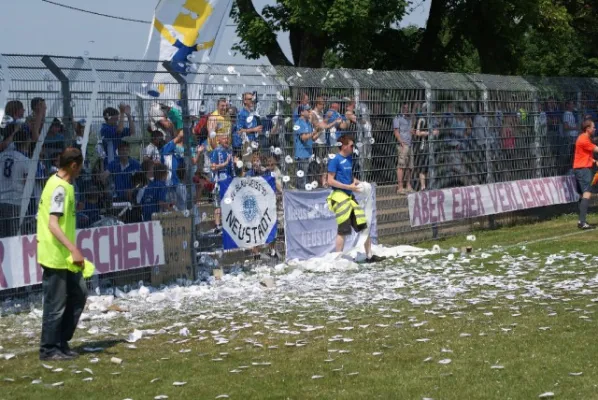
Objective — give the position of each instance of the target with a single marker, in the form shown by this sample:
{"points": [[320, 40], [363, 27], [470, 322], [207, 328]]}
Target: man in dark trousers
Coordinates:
{"points": [[583, 168], [64, 291]]}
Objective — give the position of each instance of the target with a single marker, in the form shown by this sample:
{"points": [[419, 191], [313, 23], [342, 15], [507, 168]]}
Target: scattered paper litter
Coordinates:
{"points": [[116, 360], [497, 367], [58, 384], [445, 361], [9, 356], [179, 383], [575, 373], [317, 376], [222, 396], [546, 395], [88, 379], [161, 397], [154, 380], [135, 336]]}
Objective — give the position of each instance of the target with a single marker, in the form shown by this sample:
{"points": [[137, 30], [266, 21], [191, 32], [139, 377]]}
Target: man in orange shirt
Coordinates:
{"points": [[583, 168]]}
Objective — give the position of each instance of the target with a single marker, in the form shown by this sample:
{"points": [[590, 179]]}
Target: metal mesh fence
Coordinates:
{"points": [[413, 131]]}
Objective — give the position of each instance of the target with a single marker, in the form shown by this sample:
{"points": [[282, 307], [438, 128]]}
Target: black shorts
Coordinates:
{"points": [[345, 228]]}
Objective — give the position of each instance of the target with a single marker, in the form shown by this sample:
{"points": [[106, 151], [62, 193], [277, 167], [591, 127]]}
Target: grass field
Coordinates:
{"points": [[512, 320]]}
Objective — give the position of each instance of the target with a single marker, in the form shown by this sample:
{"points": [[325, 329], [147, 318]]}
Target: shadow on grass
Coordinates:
{"points": [[104, 344]]}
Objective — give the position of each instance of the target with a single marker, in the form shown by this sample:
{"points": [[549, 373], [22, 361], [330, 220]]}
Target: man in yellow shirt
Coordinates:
{"points": [[219, 123], [65, 292]]}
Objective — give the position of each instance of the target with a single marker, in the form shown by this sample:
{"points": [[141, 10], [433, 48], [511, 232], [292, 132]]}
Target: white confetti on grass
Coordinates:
{"points": [[575, 373], [179, 383], [546, 395], [445, 361], [317, 376]]}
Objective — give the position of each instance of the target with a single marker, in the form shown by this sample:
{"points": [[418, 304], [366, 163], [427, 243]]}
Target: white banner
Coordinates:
{"points": [[438, 206], [248, 212], [110, 248]]}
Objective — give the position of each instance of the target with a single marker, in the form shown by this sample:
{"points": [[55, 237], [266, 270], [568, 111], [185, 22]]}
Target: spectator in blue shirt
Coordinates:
{"points": [[54, 142], [247, 123], [304, 135], [339, 124], [113, 129], [122, 170], [171, 158], [237, 139], [256, 167], [303, 101], [222, 169], [153, 198], [89, 213], [222, 160]]}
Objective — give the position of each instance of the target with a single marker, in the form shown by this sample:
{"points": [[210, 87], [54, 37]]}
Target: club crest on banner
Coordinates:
{"points": [[248, 212]]}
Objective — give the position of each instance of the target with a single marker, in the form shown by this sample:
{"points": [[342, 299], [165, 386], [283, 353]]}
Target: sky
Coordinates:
{"points": [[42, 28]]}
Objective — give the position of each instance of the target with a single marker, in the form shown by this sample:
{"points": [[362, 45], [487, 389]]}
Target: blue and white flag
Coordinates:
{"points": [[187, 31], [248, 212], [184, 33]]}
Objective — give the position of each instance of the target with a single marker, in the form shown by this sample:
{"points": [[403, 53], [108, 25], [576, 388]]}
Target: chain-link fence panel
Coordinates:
{"points": [[150, 137]]}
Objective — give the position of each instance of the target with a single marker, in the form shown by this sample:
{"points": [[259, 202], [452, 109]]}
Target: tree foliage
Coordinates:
{"points": [[527, 37]]}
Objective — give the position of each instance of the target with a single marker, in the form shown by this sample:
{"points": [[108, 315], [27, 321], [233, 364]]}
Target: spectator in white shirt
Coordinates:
{"points": [[159, 121], [15, 167], [152, 150]]}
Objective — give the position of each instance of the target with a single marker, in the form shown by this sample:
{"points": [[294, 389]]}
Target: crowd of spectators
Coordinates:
{"points": [[459, 144]]}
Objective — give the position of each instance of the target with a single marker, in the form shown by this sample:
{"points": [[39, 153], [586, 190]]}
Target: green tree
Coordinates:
{"points": [[347, 30]]}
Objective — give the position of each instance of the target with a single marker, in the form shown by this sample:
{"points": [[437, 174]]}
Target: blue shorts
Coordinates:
{"points": [[584, 177]]}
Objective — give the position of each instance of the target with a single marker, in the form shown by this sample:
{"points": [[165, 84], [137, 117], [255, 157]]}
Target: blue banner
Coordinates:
{"points": [[248, 212], [310, 227]]}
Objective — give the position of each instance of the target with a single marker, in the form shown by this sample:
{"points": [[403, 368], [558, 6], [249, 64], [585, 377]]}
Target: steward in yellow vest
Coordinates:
{"points": [[349, 214], [65, 292]]}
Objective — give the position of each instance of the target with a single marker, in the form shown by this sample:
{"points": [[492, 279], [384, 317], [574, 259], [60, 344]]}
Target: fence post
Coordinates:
{"points": [[365, 151], [188, 143], [488, 148], [65, 88], [90, 109], [540, 132], [5, 87], [431, 141]]}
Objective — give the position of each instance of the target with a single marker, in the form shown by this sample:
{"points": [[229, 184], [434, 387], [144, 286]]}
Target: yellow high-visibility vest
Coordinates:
{"points": [[50, 252], [343, 206]]}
